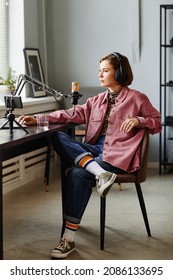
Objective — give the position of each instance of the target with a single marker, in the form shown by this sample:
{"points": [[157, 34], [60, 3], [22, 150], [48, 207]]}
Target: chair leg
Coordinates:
{"points": [[47, 167], [120, 187], [143, 208], [102, 221]]}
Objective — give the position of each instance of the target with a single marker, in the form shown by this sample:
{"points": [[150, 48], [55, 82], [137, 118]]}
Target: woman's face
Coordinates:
{"points": [[107, 75]]}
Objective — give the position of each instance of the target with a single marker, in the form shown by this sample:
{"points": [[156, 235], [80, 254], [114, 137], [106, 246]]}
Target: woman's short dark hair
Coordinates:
{"points": [[115, 62]]}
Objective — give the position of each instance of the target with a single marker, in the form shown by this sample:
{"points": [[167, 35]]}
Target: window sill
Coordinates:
{"points": [[33, 106]]}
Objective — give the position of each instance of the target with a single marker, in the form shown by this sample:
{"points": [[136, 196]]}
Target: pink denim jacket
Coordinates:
{"points": [[121, 149]]}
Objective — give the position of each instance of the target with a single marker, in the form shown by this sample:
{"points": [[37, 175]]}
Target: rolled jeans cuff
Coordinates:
{"points": [[78, 158], [71, 219]]}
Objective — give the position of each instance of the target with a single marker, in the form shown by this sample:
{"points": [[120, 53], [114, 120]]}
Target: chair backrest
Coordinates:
{"points": [[142, 172]]}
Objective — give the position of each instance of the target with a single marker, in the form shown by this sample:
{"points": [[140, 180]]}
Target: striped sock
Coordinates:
{"points": [[85, 161], [70, 230], [91, 165]]}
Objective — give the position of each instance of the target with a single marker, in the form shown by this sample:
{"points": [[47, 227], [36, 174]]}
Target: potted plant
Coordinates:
{"points": [[8, 84]]}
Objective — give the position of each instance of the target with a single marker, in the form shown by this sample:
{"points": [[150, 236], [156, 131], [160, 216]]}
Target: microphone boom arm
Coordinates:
{"points": [[23, 79]]}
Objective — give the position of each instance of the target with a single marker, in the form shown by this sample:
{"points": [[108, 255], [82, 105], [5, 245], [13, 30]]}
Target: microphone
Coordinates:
{"points": [[75, 95]]}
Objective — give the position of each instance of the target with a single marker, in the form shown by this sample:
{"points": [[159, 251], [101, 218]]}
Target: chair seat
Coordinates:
{"points": [[79, 132], [126, 178]]}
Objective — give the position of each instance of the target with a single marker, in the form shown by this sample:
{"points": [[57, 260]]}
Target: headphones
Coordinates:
{"points": [[120, 73]]}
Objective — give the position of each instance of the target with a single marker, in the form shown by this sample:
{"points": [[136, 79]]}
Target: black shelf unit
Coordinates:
{"points": [[166, 85]]}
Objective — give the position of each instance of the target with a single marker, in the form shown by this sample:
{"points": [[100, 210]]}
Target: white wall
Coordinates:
{"points": [[79, 32], [34, 26]]}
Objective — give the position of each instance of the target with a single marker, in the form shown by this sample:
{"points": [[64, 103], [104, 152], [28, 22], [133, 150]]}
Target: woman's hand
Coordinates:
{"points": [[27, 120], [130, 123]]}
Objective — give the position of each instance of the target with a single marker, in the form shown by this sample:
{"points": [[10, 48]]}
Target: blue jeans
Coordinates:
{"points": [[80, 182]]}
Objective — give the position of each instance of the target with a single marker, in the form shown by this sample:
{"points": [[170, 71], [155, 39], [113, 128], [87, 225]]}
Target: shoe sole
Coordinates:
{"points": [[63, 255], [103, 190]]}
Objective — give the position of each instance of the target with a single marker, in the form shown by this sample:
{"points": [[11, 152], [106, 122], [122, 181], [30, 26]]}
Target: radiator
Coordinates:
{"points": [[25, 168]]}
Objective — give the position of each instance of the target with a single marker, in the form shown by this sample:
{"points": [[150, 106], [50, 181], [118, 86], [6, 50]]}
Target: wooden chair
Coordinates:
{"points": [[80, 133], [136, 178]]}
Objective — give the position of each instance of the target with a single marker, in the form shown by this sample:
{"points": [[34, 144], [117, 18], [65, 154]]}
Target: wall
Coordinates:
{"points": [[79, 32], [35, 36]]}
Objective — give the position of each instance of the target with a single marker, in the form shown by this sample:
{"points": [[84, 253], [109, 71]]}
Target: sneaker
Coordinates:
{"points": [[104, 182], [63, 249]]}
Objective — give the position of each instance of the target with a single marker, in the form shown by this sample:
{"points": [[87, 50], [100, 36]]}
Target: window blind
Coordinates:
{"points": [[4, 38]]}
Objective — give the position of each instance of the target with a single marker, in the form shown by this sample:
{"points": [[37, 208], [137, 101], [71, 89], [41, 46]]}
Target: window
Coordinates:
{"points": [[4, 38]]}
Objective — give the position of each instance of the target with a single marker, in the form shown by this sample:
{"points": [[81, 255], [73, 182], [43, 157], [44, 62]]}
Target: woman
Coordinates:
{"points": [[115, 122]]}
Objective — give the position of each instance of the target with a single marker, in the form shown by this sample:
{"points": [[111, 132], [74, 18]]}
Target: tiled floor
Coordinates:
{"points": [[32, 222]]}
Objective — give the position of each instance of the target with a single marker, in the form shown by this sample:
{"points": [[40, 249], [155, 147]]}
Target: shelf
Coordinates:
{"points": [[167, 6], [167, 46], [166, 163], [167, 124], [167, 85], [169, 119]]}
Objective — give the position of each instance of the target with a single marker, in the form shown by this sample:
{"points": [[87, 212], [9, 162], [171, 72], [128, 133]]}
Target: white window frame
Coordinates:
{"points": [[4, 37], [16, 37]]}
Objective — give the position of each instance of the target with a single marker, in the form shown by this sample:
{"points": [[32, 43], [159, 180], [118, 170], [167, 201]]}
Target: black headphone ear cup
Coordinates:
{"points": [[120, 73]]}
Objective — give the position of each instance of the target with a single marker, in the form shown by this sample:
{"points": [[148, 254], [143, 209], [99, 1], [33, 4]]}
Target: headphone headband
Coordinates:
{"points": [[118, 55]]}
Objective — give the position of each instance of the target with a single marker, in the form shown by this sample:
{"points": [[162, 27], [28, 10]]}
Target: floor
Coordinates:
{"points": [[32, 222]]}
